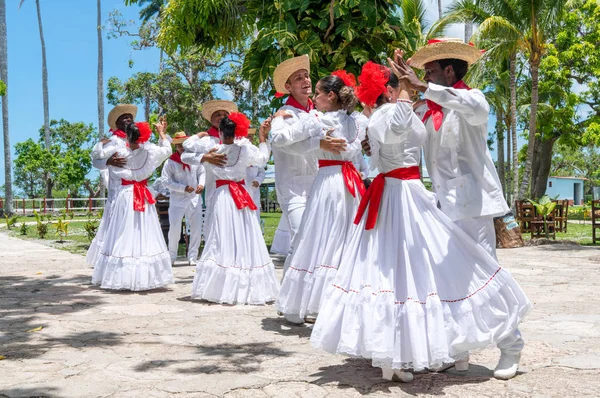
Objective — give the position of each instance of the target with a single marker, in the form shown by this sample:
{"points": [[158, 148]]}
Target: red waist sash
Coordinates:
{"points": [[241, 197], [373, 196], [141, 194], [352, 177]]}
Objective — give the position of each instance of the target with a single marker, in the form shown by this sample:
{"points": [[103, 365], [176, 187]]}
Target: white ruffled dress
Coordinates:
{"points": [[319, 243], [235, 266], [415, 291], [133, 254]]}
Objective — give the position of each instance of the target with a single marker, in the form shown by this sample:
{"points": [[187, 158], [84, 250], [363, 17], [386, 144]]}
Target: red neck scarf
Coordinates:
{"points": [[435, 110], [352, 178], [119, 133], [176, 157], [213, 132], [291, 101], [241, 197], [373, 196], [141, 194]]}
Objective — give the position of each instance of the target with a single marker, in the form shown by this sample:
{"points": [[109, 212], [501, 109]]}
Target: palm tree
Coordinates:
{"points": [[513, 28], [44, 93], [4, 78], [100, 83]]}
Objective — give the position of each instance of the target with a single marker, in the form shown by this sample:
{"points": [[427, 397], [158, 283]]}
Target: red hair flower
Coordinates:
{"points": [[279, 95], [145, 132], [242, 123], [372, 81], [347, 78]]}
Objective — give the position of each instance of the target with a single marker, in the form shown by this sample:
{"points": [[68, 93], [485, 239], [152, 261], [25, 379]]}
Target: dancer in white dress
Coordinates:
{"points": [[332, 202], [118, 119], [281, 239], [235, 266], [254, 177], [414, 291], [185, 184], [133, 255]]}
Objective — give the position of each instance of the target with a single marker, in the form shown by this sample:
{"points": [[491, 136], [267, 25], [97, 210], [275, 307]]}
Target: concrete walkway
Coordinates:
{"points": [[62, 337]]}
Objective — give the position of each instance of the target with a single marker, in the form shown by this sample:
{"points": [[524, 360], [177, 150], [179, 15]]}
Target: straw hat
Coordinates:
{"points": [[179, 137], [445, 48], [118, 111], [251, 131], [285, 69], [210, 107]]}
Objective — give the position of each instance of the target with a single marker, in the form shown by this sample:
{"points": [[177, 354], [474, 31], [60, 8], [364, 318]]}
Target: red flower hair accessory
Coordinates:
{"points": [[372, 81], [145, 132], [279, 95], [348, 78], [242, 123]]}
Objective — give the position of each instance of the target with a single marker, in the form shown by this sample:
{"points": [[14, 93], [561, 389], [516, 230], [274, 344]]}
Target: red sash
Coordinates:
{"points": [[435, 110], [141, 194], [373, 196], [352, 177], [176, 157], [241, 197]]}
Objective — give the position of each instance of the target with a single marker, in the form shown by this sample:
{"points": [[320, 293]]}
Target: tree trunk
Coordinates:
{"points": [[468, 31], [542, 164], [100, 73], [534, 68], [44, 95], [8, 209], [147, 109], [440, 8], [509, 176], [500, 138]]}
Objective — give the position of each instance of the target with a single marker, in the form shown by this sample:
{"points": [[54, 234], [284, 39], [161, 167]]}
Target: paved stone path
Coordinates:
{"points": [[96, 343]]}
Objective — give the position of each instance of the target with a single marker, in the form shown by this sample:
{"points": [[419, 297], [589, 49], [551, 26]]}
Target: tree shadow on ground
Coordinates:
{"points": [[358, 374], [220, 358], [41, 392], [281, 326], [30, 305]]}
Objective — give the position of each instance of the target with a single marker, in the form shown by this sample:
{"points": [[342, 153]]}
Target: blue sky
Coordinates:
{"points": [[71, 50]]}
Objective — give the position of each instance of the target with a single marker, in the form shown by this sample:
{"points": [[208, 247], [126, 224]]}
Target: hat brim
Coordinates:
{"points": [[217, 105], [445, 50], [179, 140], [287, 68], [118, 111]]}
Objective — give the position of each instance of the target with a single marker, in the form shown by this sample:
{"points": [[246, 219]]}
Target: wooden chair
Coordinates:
{"points": [[533, 223], [595, 219], [561, 215]]}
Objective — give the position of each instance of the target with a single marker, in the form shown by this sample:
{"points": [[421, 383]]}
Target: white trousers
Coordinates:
{"points": [[293, 211], [481, 229], [193, 217]]}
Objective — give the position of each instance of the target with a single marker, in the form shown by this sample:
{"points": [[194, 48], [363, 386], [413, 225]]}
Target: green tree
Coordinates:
{"points": [[44, 90]]}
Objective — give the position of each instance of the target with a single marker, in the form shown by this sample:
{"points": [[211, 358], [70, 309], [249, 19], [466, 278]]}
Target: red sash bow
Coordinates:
{"points": [[141, 194], [176, 157], [435, 110], [373, 196], [352, 177], [241, 197]]}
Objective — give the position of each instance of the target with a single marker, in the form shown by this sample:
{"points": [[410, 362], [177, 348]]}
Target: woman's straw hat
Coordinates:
{"points": [[251, 131], [445, 48], [118, 111], [211, 107], [179, 137], [285, 69]]}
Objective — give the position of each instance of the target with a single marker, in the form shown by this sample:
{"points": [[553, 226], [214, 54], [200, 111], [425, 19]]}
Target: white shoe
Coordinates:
{"points": [[507, 366], [404, 377], [460, 365]]}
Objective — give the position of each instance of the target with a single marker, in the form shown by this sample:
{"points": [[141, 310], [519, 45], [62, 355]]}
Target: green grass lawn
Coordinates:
{"points": [[77, 242], [576, 232]]}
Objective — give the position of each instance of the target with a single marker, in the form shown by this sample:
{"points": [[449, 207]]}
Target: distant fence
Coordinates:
{"points": [[51, 205]]}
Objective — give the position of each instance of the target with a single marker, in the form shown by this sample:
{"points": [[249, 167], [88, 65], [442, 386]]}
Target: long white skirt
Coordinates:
{"points": [[235, 266], [98, 241], [318, 245], [133, 254], [416, 291], [281, 239]]}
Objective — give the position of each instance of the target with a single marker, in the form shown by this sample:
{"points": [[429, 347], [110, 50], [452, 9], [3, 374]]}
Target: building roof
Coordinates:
{"points": [[569, 178]]}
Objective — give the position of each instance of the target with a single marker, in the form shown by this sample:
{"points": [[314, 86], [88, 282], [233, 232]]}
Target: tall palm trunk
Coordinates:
{"points": [[534, 68], [508, 190], [4, 77], [468, 31], [500, 138], [440, 8], [100, 84], [513, 127], [45, 96]]}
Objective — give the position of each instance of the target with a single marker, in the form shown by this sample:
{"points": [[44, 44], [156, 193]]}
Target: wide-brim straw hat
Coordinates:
{"points": [[213, 106], [118, 111], [445, 48], [286, 69], [251, 131], [179, 137]]}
